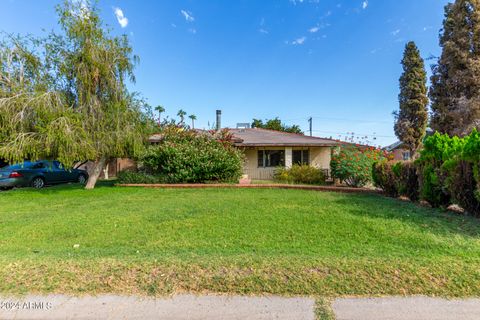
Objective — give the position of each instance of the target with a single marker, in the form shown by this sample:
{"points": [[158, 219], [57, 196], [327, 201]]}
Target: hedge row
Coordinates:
{"points": [[447, 172]]}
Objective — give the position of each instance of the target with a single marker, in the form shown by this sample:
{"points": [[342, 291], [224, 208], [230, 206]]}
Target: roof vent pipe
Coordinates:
{"points": [[219, 120]]}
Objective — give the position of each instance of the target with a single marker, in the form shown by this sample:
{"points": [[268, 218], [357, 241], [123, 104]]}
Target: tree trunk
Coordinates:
{"points": [[95, 173], [105, 172]]}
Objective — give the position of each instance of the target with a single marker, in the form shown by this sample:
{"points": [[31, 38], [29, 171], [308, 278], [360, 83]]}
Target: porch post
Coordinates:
{"points": [[288, 158]]}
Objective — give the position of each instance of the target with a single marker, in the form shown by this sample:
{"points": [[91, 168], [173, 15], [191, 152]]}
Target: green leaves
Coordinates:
{"points": [[188, 157], [277, 125], [301, 174], [353, 165], [65, 96], [411, 119], [455, 89]]}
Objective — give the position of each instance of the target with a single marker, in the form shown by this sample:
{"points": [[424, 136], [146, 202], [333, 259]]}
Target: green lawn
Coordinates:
{"points": [[249, 241]]}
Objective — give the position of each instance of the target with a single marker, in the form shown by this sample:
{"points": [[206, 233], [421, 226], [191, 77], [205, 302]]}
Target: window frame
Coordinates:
{"points": [[263, 161], [406, 156], [304, 153]]}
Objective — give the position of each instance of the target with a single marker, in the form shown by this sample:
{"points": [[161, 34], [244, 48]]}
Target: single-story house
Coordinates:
{"points": [[266, 150]]}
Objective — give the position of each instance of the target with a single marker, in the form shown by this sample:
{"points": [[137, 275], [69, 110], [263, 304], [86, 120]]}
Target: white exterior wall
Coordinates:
{"points": [[288, 157], [319, 157]]}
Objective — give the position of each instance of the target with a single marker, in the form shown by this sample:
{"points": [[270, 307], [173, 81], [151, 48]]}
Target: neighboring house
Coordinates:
{"points": [[266, 150], [400, 153]]}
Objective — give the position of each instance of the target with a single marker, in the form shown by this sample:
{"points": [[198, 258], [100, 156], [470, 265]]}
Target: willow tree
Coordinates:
{"points": [[79, 107]]}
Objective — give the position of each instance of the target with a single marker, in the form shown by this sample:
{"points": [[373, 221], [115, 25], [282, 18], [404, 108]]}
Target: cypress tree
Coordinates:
{"points": [[455, 83], [411, 119]]}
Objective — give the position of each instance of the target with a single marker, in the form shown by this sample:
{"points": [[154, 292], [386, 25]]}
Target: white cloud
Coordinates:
{"points": [[122, 20], [318, 27], [365, 4], [192, 30], [262, 27], [187, 15], [299, 41], [395, 32]]}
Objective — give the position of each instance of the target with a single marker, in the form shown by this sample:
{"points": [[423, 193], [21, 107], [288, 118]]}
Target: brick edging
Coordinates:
{"points": [[253, 186]]}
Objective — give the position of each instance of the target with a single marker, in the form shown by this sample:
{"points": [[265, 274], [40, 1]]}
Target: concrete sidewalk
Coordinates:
{"points": [[414, 308], [182, 307], [189, 307]]}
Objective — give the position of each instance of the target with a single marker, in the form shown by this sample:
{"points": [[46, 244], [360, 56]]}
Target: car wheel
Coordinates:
{"points": [[82, 179], [38, 183]]}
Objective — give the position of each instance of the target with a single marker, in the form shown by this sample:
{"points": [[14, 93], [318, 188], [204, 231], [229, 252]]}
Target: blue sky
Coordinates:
{"points": [[335, 60]]}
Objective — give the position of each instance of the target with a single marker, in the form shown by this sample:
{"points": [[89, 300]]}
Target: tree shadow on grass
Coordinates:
{"points": [[102, 184], [437, 221]]}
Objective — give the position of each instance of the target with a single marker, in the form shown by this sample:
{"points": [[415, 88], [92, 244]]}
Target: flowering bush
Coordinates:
{"points": [[353, 165]]}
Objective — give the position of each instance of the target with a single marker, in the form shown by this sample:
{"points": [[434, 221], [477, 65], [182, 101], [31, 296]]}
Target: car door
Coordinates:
{"points": [[61, 174], [48, 171]]}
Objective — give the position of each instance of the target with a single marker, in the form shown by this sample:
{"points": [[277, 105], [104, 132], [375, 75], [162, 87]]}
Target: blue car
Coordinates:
{"points": [[39, 174]]}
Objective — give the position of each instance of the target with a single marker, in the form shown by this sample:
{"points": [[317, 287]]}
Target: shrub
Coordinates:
{"points": [[448, 171], [385, 178], [471, 153], [462, 185], [432, 187], [437, 149], [300, 174], [190, 157], [127, 177], [407, 180], [353, 165]]}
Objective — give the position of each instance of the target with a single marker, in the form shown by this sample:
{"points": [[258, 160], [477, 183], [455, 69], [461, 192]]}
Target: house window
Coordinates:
{"points": [[406, 155], [271, 158], [301, 157]]}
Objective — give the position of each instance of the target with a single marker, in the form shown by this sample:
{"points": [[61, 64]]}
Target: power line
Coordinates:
{"points": [[355, 134], [342, 119]]}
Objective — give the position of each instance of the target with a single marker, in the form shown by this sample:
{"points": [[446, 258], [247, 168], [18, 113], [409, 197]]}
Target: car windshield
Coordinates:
{"points": [[18, 166]]}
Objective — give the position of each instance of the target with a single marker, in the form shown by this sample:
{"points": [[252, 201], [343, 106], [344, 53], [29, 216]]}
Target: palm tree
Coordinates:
{"points": [[182, 115], [193, 118], [160, 109]]}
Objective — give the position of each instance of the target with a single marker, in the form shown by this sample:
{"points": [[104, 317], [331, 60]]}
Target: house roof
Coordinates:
{"points": [[394, 146], [257, 137]]}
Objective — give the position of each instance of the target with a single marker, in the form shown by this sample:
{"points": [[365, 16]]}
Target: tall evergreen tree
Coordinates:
{"points": [[411, 119], [455, 89]]}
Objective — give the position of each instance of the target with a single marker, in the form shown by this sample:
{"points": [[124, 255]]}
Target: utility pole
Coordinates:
{"points": [[310, 120]]}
